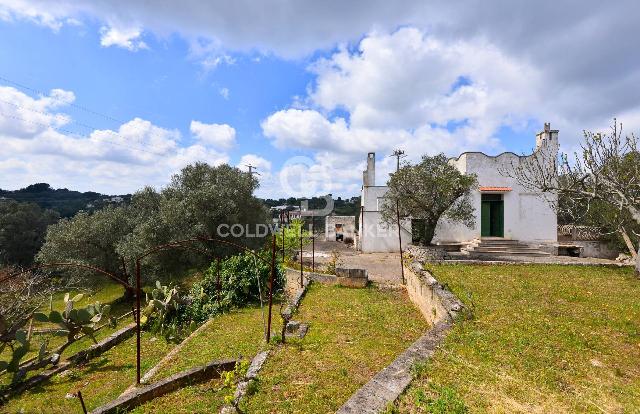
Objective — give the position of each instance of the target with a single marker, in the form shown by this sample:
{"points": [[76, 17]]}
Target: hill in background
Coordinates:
{"points": [[66, 202]]}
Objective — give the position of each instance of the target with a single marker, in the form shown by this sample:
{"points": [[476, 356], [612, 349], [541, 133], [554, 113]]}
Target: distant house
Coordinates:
{"points": [[504, 209], [340, 228]]}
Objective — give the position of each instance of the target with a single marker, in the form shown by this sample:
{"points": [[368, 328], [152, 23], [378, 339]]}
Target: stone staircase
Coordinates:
{"points": [[497, 246]]}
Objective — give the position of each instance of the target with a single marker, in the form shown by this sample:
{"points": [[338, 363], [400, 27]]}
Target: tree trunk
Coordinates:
{"points": [[638, 263], [429, 233], [635, 213], [128, 295], [628, 242]]}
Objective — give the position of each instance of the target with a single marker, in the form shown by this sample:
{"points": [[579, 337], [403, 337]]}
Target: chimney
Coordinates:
{"points": [[547, 138], [369, 175]]}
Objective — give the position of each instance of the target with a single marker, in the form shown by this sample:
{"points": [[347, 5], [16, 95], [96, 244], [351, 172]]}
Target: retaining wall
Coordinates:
{"points": [[434, 301], [441, 308], [355, 278]]}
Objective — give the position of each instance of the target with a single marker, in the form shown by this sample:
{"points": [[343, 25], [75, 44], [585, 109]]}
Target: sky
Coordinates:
{"points": [[114, 95]]}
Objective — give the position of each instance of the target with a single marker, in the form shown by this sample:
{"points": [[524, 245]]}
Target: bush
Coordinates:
{"points": [[238, 285]]}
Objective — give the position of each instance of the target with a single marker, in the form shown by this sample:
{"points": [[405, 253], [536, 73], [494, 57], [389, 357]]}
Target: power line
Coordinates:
{"points": [[71, 104], [39, 92], [87, 126], [69, 132]]}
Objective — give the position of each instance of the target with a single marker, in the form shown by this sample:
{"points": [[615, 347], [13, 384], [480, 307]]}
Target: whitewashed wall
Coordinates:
{"points": [[374, 235]]}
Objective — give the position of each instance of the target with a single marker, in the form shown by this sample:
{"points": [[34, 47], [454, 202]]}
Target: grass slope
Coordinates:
{"points": [[101, 380], [353, 334], [544, 338]]}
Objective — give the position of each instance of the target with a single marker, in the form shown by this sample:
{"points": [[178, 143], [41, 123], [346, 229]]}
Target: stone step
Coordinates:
{"points": [[515, 247], [490, 246], [510, 253]]}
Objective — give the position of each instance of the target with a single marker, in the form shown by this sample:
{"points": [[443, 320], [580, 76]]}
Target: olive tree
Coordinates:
{"points": [[92, 239], [605, 170], [427, 191], [22, 230], [197, 201]]}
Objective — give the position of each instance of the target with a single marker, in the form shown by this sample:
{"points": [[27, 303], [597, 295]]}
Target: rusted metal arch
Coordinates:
{"points": [[178, 243], [72, 264], [183, 244]]}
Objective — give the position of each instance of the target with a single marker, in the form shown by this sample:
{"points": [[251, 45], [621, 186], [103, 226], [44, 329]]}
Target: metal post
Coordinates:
{"points": [[283, 243], [313, 244], [362, 225], [273, 269], [138, 293], [301, 271], [218, 280], [399, 153], [84, 407], [400, 240]]}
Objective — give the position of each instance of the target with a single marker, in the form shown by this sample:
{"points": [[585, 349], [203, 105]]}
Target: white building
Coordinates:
{"points": [[340, 228], [504, 209], [373, 234]]}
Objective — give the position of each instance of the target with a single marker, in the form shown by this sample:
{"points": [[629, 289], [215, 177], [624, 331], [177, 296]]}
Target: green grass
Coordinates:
{"points": [[101, 380], [238, 333], [353, 334], [106, 293], [202, 398], [543, 338]]}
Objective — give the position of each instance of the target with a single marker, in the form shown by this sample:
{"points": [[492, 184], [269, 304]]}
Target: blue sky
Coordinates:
{"points": [[300, 89], [162, 84]]}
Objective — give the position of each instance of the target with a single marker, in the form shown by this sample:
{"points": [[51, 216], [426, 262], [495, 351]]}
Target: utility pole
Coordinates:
{"points": [[399, 154], [251, 168]]}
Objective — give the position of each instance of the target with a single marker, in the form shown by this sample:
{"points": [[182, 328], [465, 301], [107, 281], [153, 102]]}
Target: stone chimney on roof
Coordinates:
{"points": [[369, 175], [547, 138]]}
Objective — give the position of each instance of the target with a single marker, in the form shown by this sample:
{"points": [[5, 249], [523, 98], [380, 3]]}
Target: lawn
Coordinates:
{"points": [[544, 338], [106, 293], [238, 333], [101, 380], [353, 334]]}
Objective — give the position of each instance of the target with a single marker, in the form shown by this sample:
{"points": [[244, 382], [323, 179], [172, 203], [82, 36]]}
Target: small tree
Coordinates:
{"points": [[90, 239], [605, 170], [292, 236], [427, 191]]}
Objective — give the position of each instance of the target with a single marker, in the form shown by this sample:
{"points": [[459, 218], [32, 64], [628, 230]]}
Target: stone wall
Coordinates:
{"points": [[427, 253], [356, 278], [440, 307], [436, 303]]}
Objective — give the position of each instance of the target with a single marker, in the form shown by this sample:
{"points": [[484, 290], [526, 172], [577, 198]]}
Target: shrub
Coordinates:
{"points": [[166, 312], [238, 285]]}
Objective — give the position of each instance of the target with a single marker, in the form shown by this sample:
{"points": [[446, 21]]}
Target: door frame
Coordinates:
{"points": [[492, 215]]}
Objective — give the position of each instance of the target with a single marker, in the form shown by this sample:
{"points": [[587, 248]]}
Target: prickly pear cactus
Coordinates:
{"points": [[76, 321]]}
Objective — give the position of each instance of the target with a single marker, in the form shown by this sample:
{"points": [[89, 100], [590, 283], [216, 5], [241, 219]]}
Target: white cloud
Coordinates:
{"points": [[526, 63], [262, 165], [224, 92], [220, 135], [36, 148], [126, 38], [211, 62]]}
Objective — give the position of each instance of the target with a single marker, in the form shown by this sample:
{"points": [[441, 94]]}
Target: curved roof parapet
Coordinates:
{"points": [[490, 156]]}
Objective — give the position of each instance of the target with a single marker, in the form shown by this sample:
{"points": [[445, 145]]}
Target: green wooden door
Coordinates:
{"points": [[485, 219], [499, 220], [492, 216]]}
